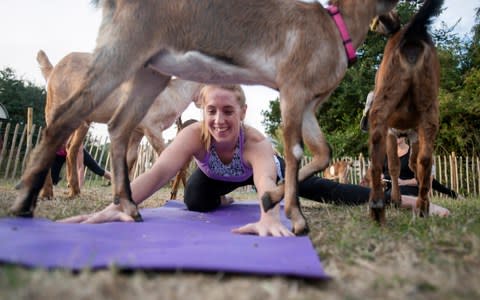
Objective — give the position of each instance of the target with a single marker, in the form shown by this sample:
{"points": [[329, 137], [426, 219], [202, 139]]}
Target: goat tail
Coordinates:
{"points": [[417, 28], [46, 66]]}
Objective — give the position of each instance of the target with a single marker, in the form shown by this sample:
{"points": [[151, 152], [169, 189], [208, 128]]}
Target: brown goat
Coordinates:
{"points": [[405, 101], [338, 171], [294, 47], [67, 75]]}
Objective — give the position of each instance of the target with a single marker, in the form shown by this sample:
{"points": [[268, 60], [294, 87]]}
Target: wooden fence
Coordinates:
{"points": [[461, 174]]}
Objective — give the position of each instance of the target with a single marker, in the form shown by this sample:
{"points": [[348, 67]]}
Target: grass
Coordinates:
{"points": [[409, 258]]}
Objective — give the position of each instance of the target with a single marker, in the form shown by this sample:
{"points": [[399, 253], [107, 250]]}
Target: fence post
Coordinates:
{"points": [[30, 131], [474, 183], [460, 176], [102, 154], [457, 183], [39, 135], [12, 148], [478, 175], [467, 173], [19, 149], [29, 128], [4, 145], [438, 171]]}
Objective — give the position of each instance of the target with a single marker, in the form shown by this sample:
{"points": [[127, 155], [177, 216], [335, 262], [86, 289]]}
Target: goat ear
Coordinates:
{"points": [[391, 23]]}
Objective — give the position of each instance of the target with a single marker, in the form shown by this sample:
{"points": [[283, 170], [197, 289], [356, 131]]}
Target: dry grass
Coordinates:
{"points": [[409, 258]]}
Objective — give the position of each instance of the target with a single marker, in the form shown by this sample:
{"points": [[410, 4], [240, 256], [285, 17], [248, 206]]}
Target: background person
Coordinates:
{"points": [[83, 159]]}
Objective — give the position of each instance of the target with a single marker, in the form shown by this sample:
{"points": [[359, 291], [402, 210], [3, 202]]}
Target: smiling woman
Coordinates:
{"points": [[227, 153]]}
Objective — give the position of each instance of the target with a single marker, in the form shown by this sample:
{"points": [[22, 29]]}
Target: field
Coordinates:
{"points": [[410, 258]]}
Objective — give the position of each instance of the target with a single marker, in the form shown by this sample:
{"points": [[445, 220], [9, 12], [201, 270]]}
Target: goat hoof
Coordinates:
{"points": [[378, 204], [21, 214], [378, 215], [72, 195], [377, 211], [423, 214], [299, 222], [138, 217], [267, 202], [301, 230]]}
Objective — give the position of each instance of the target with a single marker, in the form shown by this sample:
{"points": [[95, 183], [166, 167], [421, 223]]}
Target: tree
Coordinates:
{"points": [[339, 117], [17, 95], [460, 95], [473, 52]]}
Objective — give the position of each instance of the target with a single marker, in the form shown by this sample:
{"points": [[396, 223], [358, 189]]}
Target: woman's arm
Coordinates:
{"points": [[259, 154], [186, 144]]}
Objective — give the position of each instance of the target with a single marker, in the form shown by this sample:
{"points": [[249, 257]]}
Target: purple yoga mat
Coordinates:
{"points": [[170, 238]]}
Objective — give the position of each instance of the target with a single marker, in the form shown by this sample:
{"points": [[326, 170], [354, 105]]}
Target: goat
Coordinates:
{"points": [[405, 101], [66, 76], [300, 49], [338, 171]]}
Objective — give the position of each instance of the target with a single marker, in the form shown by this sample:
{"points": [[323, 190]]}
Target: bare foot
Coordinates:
{"points": [[436, 210]]}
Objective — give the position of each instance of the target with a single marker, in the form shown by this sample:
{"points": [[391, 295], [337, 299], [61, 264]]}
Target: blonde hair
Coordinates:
{"points": [[236, 89]]}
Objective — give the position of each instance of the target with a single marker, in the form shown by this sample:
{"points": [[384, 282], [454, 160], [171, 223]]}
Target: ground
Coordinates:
{"points": [[409, 258]]}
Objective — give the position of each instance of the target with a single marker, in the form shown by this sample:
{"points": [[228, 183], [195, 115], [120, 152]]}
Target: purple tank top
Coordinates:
{"points": [[236, 171]]}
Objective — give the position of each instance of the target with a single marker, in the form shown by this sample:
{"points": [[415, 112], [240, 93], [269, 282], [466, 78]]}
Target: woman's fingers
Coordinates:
{"points": [[436, 210], [285, 232], [75, 219], [245, 229], [108, 216], [255, 228]]}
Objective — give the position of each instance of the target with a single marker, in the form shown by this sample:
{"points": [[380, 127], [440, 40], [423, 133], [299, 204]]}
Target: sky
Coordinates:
{"points": [[61, 26]]}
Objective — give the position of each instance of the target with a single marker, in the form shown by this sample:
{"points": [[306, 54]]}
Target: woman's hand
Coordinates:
{"points": [[268, 225], [111, 213]]}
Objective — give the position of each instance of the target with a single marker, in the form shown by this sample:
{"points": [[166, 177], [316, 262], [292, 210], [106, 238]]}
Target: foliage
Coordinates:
{"points": [[271, 117], [17, 95], [460, 117], [459, 58], [473, 54]]}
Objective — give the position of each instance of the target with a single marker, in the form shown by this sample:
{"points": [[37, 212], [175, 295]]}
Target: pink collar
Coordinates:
{"points": [[342, 28]]}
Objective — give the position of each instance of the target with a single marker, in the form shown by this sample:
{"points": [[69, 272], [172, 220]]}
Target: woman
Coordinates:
{"points": [[83, 159], [229, 155], [407, 182]]}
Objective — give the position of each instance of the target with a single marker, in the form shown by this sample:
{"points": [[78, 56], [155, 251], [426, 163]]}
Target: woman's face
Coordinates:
{"points": [[223, 115]]}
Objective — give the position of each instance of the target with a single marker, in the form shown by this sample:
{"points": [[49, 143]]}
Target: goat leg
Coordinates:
{"points": [[394, 169], [377, 201], [38, 167]]}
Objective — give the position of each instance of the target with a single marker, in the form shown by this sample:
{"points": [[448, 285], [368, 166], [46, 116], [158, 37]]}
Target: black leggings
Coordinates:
{"points": [[91, 164], [57, 167], [88, 161], [203, 193], [436, 185]]}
